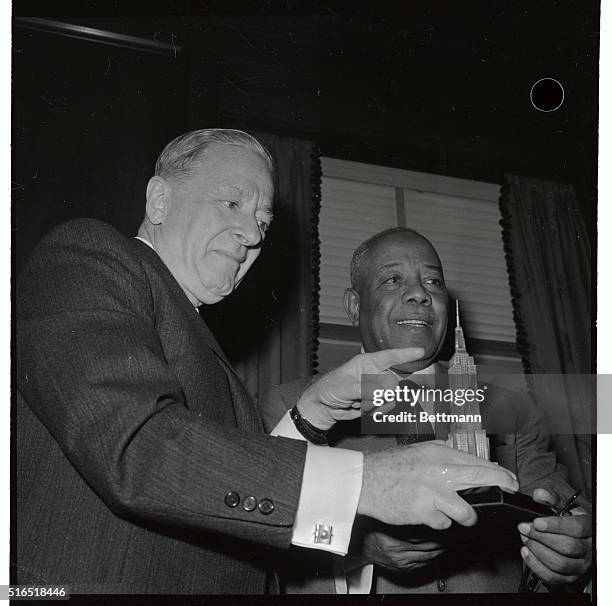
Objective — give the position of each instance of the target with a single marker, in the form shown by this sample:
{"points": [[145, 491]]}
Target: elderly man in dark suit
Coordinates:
{"points": [[398, 298], [141, 463]]}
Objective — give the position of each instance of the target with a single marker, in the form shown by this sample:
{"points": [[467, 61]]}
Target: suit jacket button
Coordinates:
{"points": [[266, 506], [232, 499], [249, 503]]}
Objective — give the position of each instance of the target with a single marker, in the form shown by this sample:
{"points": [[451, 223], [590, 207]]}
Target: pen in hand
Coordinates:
{"points": [[568, 503]]}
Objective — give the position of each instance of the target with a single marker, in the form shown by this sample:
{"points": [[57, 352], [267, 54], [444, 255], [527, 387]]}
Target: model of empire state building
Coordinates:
{"points": [[468, 437]]}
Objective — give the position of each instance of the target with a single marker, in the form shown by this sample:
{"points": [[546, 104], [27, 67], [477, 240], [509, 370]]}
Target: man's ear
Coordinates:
{"points": [[158, 200], [351, 305]]}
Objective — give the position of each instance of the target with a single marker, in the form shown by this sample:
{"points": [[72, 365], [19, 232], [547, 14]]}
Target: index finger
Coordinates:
{"points": [[381, 360], [470, 476], [458, 457]]}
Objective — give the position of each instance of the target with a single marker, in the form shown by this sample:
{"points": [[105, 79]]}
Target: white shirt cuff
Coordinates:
{"points": [[331, 486], [328, 501], [285, 428]]}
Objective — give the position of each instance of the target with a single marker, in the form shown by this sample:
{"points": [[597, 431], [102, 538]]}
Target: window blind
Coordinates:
{"points": [[350, 213], [460, 217]]}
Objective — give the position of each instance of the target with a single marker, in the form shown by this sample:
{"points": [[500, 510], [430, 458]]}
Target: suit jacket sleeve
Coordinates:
{"points": [[528, 450], [91, 367], [538, 466]]}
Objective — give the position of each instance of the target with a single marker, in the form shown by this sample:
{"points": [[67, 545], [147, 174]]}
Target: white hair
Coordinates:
{"points": [[178, 158]]}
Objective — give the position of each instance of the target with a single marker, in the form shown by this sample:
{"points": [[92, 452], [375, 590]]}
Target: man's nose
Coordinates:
{"points": [[414, 293], [247, 231]]}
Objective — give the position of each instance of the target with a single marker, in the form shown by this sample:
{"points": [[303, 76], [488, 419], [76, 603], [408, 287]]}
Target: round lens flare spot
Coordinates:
{"points": [[547, 95]]}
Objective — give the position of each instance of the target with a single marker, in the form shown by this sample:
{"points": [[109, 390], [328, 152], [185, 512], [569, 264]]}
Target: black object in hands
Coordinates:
{"points": [[495, 506]]}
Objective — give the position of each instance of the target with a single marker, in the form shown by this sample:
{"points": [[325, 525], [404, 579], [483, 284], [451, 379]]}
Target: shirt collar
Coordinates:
{"points": [[145, 241], [151, 247]]}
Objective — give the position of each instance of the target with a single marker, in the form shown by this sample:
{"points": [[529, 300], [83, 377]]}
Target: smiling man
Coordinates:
{"points": [[398, 295], [142, 465], [398, 298]]}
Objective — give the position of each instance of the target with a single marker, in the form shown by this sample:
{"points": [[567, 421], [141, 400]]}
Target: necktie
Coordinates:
{"points": [[419, 431]]}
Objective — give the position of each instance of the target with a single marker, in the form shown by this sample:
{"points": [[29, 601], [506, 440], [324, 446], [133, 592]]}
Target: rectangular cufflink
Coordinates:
{"points": [[323, 534]]}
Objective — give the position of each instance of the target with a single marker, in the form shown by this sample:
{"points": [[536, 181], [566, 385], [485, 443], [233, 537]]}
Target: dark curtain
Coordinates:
{"points": [[89, 118], [549, 262], [268, 327]]}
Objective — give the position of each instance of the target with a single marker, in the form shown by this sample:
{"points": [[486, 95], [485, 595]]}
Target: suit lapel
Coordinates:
{"points": [[247, 416]]}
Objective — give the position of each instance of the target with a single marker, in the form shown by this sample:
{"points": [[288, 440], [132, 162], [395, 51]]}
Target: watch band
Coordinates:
{"points": [[308, 430]]}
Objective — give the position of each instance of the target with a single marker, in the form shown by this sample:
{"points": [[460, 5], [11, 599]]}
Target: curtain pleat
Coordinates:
{"points": [[549, 262]]}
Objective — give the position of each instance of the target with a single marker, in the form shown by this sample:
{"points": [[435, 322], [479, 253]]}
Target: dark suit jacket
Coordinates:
{"points": [[130, 429], [475, 562]]}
